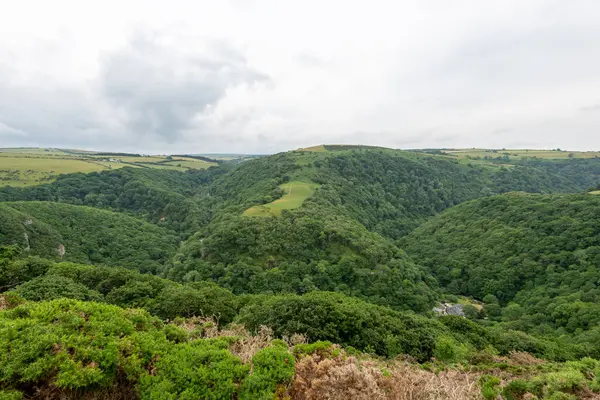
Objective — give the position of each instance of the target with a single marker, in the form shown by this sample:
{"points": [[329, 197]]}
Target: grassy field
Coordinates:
{"points": [[595, 192], [189, 163], [295, 194], [33, 166], [521, 154], [24, 171], [316, 149]]}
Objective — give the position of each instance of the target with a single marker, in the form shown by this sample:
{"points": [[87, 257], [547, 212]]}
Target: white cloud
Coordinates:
{"points": [[266, 75]]}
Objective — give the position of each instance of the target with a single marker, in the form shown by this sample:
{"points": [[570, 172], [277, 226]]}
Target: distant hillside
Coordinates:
{"points": [[160, 196], [341, 236], [33, 166], [537, 256], [85, 234]]}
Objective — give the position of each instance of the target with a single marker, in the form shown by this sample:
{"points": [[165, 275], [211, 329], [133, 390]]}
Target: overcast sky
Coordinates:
{"points": [[256, 76]]}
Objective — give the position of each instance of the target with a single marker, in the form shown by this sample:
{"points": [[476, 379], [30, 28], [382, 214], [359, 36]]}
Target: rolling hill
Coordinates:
{"points": [[349, 244], [533, 258], [87, 235]]}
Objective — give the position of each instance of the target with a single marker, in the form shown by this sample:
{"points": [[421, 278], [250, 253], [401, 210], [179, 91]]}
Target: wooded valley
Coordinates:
{"points": [[307, 274]]}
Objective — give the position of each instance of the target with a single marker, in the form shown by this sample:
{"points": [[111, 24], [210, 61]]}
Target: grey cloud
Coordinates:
{"points": [[8, 131], [160, 90], [309, 60], [501, 131], [592, 108]]}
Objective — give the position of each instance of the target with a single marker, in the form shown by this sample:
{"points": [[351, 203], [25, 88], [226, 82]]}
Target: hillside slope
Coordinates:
{"points": [[342, 235], [162, 197], [538, 255], [85, 234]]}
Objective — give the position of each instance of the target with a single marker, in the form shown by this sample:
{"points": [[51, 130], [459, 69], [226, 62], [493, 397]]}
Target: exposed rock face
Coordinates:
{"points": [[450, 309], [61, 250], [27, 246]]}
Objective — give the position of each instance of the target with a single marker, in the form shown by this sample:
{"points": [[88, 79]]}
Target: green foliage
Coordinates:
{"points": [[331, 269], [88, 235], [303, 251], [447, 349], [557, 384], [86, 347], [515, 389], [73, 344], [319, 347], [272, 366], [532, 259], [489, 387], [347, 321], [16, 271], [204, 369], [188, 301], [10, 395], [160, 196], [19, 230], [54, 287]]}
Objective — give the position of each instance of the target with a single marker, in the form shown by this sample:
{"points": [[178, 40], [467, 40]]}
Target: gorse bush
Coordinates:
{"points": [[83, 347], [73, 344], [272, 366], [203, 369], [54, 287]]}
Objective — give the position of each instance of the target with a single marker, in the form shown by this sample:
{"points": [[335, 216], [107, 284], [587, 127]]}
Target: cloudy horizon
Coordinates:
{"points": [[262, 76]]}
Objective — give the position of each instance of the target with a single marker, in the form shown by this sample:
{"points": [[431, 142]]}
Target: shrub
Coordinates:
{"points": [[189, 301], [346, 321], [322, 348], [203, 369], [448, 350], [273, 366], [489, 387], [567, 380], [515, 389], [71, 344], [55, 287], [10, 395]]}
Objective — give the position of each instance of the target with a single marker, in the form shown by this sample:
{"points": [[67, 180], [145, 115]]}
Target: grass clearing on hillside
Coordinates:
{"points": [[595, 192], [190, 163], [295, 194], [317, 149], [520, 154]]}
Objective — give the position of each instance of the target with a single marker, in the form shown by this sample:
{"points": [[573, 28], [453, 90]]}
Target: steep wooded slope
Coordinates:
{"points": [[86, 234], [538, 255]]}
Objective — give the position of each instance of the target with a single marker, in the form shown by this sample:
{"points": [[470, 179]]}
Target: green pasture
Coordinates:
{"points": [[33, 166], [25, 171], [295, 194], [519, 154], [190, 163]]}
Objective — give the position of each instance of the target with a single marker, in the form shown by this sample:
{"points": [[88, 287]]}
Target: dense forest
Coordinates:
{"points": [[533, 259], [156, 284]]}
